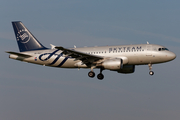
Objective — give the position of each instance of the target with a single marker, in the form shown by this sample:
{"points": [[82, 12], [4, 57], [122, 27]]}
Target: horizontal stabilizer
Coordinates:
{"points": [[19, 54]]}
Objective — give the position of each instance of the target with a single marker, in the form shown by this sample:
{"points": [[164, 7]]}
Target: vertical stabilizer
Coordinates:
{"points": [[25, 39]]}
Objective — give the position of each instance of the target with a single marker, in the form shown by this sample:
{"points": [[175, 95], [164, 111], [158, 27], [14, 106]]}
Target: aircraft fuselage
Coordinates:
{"points": [[122, 58], [131, 54]]}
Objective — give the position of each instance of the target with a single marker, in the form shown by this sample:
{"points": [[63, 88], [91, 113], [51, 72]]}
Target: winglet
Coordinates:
{"points": [[52, 46]]}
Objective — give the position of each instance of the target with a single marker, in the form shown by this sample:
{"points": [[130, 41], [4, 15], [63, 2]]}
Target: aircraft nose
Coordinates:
{"points": [[172, 56]]}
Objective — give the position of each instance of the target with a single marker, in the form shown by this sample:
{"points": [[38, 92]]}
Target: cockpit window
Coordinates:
{"points": [[163, 49]]}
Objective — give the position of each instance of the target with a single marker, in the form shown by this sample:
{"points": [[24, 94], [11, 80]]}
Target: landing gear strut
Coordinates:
{"points": [[150, 67]]}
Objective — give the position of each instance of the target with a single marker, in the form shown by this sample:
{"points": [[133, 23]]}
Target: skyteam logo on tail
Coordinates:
{"points": [[23, 36]]}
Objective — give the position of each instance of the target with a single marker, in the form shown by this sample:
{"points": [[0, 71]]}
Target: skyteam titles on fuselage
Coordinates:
{"points": [[124, 49]]}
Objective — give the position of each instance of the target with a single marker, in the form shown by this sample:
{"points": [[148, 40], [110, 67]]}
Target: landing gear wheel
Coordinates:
{"points": [[91, 74], [100, 76], [151, 73]]}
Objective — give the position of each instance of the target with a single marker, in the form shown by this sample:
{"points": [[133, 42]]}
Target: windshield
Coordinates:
{"points": [[163, 49]]}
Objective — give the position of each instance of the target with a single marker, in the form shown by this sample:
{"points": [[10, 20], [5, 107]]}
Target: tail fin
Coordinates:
{"points": [[25, 39]]}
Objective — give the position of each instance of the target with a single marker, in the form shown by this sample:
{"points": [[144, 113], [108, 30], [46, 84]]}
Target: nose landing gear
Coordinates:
{"points": [[150, 67], [151, 73]]}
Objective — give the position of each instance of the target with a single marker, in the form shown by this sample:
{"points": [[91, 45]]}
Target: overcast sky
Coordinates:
{"points": [[34, 92]]}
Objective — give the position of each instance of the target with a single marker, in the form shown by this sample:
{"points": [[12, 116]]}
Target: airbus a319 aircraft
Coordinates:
{"points": [[120, 58]]}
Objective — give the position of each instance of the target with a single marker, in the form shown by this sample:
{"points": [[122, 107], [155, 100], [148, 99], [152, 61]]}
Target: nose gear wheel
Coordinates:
{"points": [[151, 73], [150, 67]]}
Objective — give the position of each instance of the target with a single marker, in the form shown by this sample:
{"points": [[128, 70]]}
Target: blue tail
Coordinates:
{"points": [[25, 39]]}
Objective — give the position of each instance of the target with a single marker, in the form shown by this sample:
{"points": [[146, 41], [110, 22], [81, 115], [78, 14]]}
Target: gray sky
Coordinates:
{"points": [[33, 92]]}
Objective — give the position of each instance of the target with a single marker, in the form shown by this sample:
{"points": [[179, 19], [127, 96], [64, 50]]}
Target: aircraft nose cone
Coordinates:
{"points": [[172, 56]]}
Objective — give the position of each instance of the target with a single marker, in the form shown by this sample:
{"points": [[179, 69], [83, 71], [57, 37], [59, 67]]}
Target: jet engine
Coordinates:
{"points": [[113, 64], [117, 65]]}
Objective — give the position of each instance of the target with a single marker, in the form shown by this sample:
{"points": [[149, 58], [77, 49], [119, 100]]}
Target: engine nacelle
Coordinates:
{"points": [[127, 69], [113, 64]]}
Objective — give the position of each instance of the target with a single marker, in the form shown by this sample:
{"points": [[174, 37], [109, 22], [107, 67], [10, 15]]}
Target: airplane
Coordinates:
{"points": [[119, 58]]}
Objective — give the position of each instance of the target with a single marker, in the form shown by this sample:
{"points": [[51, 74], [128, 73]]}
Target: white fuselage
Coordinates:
{"points": [[121, 59], [131, 54]]}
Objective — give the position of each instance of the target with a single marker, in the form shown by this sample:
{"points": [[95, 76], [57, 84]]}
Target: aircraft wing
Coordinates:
{"points": [[19, 54], [84, 57]]}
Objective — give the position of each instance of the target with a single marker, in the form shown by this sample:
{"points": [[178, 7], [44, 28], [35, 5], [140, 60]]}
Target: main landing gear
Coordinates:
{"points": [[91, 74], [100, 76], [150, 72]]}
